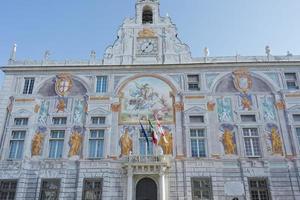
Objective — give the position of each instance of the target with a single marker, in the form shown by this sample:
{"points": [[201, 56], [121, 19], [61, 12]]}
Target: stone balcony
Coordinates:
{"points": [[147, 164]]}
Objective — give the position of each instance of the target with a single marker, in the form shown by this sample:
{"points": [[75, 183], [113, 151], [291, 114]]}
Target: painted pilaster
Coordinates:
{"points": [[115, 108], [129, 183], [179, 108], [280, 105]]}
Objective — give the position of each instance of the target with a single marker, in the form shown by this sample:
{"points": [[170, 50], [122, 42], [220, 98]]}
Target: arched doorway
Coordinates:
{"points": [[146, 189]]}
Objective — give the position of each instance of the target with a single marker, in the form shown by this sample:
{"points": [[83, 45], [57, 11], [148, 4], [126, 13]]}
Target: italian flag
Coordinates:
{"points": [[153, 133]]}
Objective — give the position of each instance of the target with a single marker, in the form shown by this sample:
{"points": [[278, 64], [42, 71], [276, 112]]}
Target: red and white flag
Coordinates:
{"points": [[160, 130]]}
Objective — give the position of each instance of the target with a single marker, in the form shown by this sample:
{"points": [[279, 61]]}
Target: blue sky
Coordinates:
{"points": [[71, 28]]}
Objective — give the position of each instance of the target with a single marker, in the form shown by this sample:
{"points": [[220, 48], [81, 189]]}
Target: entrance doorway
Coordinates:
{"points": [[146, 189]]}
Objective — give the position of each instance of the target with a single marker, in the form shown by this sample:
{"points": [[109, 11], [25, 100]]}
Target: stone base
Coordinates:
{"points": [[75, 158]]}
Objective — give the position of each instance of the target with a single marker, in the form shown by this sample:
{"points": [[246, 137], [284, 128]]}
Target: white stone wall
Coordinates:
{"points": [[282, 171]]}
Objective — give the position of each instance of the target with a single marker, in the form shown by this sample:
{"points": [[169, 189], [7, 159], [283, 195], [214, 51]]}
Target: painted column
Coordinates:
{"points": [[179, 140], [114, 137], [129, 183], [280, 105]]}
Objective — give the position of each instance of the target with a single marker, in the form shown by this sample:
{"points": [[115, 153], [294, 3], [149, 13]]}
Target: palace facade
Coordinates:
{"points": [[71, 129]]}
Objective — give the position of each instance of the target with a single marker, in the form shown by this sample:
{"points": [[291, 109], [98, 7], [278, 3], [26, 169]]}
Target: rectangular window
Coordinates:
{"points": [[21, 121], [8, 189], [145, 149], [296, 118], [193, 82], [56, 144], [258, 189], [50, 189], [92, 189], [197, 119], [59, 120], [291, 81], [17, 144], [198, 142], [28, 85], [248, 118], [98, 120], [96, 143], [101, 86], [202, 189], [251, 139]]}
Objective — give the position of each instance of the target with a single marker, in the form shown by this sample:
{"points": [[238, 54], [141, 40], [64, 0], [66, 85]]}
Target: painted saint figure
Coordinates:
{"points": [[166, 143], [276, 142], [75, 144], [61, 105], [126, 144], [228, 142], [43, 115], [37, 143]]}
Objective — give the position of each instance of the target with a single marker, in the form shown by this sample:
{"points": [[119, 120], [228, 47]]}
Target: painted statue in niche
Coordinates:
{"points": [[79, 111], [268, 108], [37, 141], [166, 143], [43, 115], [225, 110], [144, 98], [75, 141], [274, 137], [245, 101], [125, 144], [242, 80], [228, 139]]}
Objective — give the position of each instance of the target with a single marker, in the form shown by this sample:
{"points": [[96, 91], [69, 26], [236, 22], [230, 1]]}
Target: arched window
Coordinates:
{"points": [[147, 15]]}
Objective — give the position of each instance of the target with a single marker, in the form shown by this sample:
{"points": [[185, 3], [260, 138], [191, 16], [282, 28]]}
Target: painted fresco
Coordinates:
{"points": [[225, 110], [43, 114], [144, 98], [269, 112], [79, 111], [246, 101]]}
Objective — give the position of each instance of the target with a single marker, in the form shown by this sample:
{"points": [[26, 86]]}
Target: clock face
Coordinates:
{"points": [[147, 46]]}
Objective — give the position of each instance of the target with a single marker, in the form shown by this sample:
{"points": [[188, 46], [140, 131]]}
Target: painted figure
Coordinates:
{"points": [[126, 144], [79, 111], [43, 115], [246, 101], [37, 143], [228, 142], [166, 143], [75, 143], [225, 110], [268, 109], [276, 142], [61, 105]]}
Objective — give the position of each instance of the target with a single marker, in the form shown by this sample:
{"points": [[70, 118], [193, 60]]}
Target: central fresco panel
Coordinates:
{"points": [[146, 98]]}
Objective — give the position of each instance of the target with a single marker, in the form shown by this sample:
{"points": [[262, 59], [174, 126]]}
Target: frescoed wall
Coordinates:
{"points": [[144, 98]]}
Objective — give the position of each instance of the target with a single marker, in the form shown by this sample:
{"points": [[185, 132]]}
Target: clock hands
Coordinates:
{"points": [[149, 44]]}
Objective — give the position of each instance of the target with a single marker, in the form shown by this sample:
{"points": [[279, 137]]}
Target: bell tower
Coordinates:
{"points": [[147, 11], [147, 38]]}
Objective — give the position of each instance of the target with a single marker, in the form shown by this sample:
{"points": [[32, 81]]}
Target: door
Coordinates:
{"points": [[146, 189]]}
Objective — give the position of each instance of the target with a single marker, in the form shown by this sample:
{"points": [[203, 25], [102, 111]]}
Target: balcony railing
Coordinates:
{"points": [[149, 159]]}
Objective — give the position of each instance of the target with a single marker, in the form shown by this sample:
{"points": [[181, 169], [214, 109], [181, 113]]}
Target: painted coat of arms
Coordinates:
{"points": [[144, 98], [63, 84], [242, 80]]}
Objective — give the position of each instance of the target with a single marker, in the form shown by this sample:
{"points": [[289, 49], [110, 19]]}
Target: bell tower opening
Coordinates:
{"points": [[147, 15]]}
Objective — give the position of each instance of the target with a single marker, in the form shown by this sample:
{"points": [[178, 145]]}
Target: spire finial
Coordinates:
{"points": [[268, 51], [13, 53], [47, 55]]}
